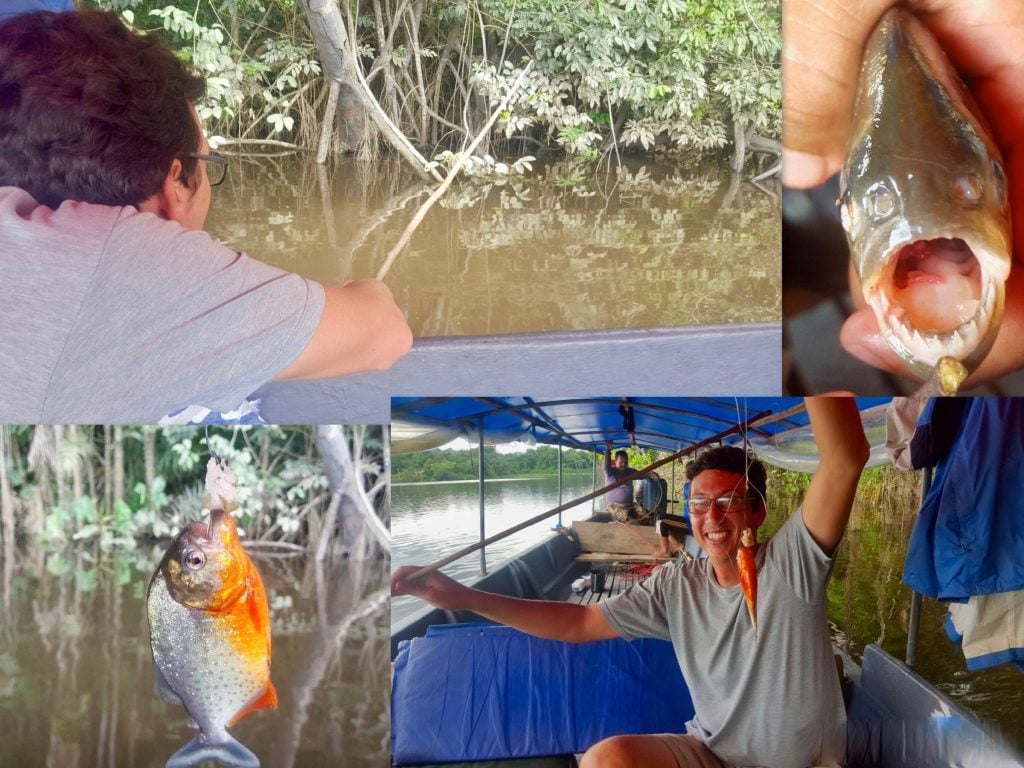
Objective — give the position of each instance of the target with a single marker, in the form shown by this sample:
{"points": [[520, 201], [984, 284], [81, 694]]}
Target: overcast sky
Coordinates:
{"points": [[462, 444]]}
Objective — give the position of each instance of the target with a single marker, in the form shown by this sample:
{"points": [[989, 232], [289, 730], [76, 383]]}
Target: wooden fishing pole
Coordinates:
{"points": [[757, 421], [460, 158]]}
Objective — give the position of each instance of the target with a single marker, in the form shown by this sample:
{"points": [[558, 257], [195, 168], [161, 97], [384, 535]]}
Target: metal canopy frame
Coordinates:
{"points": [[660, 423]]}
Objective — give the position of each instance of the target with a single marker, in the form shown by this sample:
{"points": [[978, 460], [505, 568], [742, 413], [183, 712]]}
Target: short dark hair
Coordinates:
{"points": [[729, 458], [622, 453], [91, 111]]}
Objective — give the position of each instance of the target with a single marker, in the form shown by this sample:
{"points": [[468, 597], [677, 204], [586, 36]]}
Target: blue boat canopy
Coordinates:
{"points": [[773, 426]]}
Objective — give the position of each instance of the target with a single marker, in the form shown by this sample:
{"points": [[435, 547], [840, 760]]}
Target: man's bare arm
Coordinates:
{"points": [[844, 451], [549, 619], [361, 329]]}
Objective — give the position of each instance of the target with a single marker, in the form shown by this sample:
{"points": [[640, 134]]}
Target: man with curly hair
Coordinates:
{"points": [[115, 304]]}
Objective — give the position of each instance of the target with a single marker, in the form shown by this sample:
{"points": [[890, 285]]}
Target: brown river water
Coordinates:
{"points": [[76, 677], [566, 247]]}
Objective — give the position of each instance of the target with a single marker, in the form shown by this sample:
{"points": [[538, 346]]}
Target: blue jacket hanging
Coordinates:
{"points": [[969, 535]]}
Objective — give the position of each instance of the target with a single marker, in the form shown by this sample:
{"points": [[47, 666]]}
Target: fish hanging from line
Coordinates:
{"points": [[925, 207], [747, 566], [210, 635]]}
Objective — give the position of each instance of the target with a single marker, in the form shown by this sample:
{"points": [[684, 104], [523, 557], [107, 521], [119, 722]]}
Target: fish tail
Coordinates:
{"points": [[229, 752]]}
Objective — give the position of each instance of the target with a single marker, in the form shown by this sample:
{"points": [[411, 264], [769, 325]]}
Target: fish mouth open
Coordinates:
{"points": [[935, 299]]}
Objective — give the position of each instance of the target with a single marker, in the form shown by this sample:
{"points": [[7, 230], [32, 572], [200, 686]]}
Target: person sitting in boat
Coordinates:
{"points": [[619, 501], [115, 304], [736, 675], [672, 532]]}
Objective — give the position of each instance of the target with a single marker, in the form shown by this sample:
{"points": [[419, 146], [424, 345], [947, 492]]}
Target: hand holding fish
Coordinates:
{"points": [[821, 62], [942, 302]]}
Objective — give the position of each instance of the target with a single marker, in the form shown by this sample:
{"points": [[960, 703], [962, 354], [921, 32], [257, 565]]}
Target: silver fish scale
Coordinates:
{"points": [[198, 661]]}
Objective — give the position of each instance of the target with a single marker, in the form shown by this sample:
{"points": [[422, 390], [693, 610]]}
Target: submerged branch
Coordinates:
{"points": [[260, 544], [417, 219]]}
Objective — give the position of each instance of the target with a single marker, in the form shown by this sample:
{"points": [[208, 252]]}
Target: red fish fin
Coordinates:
{"points": [[266, 700], [255, 612]]}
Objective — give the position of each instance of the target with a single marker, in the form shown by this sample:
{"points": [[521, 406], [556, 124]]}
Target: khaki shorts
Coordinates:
{"points": [[690, 751]]}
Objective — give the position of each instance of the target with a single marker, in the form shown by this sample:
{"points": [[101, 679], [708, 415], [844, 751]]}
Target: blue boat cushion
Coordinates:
{"points": [[486, 692]]}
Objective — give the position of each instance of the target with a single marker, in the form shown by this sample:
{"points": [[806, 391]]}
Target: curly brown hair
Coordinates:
{"points": [[729, 458], [91, 111]]}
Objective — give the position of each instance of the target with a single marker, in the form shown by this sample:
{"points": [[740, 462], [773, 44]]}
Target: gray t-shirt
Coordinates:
{"points": [[112, 315], [775, 701]]}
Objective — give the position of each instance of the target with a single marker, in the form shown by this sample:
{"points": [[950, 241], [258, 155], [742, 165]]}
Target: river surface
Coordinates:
{"points": [[432, 520], [76, 677], [566, 247], [868, 602]]}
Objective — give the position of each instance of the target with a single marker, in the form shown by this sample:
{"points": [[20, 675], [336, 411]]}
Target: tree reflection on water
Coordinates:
{"points": [[76, 680], [567, 247]]}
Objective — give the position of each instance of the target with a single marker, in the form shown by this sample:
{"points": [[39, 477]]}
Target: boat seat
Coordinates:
{"points": [[488, 692]]}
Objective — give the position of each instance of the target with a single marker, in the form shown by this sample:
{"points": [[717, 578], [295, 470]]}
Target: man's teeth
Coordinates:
{"points": [[716, 535]]}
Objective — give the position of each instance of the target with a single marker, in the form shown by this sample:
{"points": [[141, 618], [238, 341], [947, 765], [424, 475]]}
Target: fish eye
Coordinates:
{"points": [[999, 179], [193, 559], [968, 189], [881, 201]]}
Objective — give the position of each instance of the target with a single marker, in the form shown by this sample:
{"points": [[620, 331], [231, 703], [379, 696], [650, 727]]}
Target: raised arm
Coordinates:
{"points": [[844, 450], [549, 619], [361, 329]]}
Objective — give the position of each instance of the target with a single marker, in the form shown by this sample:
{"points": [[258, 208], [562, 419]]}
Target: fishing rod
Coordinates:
{"points": [[757, 421]]}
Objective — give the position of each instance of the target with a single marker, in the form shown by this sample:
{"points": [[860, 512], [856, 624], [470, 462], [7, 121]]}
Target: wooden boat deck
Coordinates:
{"points": [[618, 578]]}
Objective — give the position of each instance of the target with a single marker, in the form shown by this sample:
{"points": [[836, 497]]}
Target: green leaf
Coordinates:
{"points": [[57, 565], [85, 581]]}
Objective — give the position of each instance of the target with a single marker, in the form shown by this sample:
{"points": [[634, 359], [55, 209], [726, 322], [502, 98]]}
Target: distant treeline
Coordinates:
{"points": [[449, 464]]}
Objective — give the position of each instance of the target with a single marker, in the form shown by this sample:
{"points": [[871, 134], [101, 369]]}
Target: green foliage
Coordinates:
{"points": [[672, 73], [445, 464], [255, 82], [682, 70], [279, 471]]}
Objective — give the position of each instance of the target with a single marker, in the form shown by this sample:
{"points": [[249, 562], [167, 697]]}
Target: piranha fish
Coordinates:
{"points": [[747, 567], [210, 633], [924, 204]]}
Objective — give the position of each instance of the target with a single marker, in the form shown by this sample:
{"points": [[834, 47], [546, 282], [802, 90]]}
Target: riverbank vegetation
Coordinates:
{"points": [[299, 488], [446, 464], [880, 488], [593, 77]]}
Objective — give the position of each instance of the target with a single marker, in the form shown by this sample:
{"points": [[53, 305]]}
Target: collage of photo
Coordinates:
{"points": [[511, 383]]}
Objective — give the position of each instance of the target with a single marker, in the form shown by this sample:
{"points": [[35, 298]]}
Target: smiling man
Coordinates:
{"points": [[735, 678], [115, 305]]}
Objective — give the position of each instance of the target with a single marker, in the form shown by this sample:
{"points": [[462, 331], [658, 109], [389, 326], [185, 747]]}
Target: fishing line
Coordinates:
{"points": [[746, 459], [213, 454]]}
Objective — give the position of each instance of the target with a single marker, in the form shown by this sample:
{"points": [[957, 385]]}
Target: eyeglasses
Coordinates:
{"points": [[216, 167], [725, 504]]}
